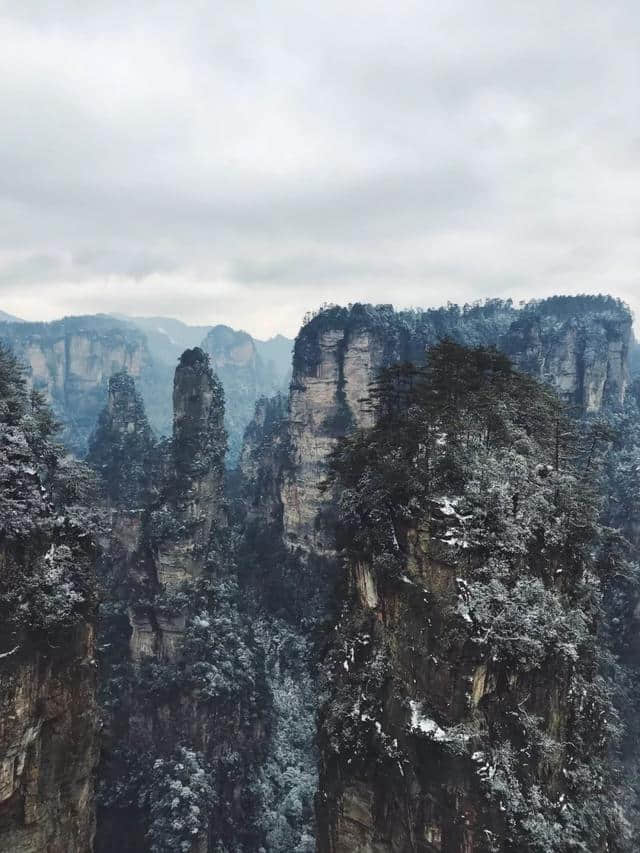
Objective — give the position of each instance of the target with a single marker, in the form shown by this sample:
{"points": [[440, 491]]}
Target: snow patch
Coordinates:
{"points": [[424, 724]]}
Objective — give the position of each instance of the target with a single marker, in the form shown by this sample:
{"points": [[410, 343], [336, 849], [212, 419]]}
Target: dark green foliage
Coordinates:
{"points": [[620, 566], [570, 307], [180, 797], [199, 436], [487, 464], [121, 445], [287, 778], [13, 395], [47, 534]]}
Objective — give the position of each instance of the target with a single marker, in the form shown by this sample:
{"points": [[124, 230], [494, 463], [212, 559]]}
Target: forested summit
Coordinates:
{"points": [[468, 676]]}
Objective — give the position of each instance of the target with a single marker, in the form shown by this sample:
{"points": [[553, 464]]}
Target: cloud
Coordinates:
{"points": [[245, 162]]}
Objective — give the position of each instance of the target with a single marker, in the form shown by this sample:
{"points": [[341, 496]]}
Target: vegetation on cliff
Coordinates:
{"points": [[471, 503], [48, 535]]}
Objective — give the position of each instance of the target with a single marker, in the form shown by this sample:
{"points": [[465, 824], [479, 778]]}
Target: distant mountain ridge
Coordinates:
{"points": [[248, 368], [72, 359], [9, 318]]}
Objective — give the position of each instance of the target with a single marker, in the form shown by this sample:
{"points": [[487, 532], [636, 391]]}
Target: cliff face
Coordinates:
{"points": [[261, 462], [71, 361], [194, 501], [48, 712], [245, 375], [437, 801], [579, 345], [332, 370], [48, 746], [584, 356], [164, 500], [464, 711], [181, 671]]}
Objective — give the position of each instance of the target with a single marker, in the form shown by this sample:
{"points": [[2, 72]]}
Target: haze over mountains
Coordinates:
{"points": [[72, 359], [398, 614]]}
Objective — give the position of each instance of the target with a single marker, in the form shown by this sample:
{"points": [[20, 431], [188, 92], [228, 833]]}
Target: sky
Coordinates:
{"points": [[245, 162]]}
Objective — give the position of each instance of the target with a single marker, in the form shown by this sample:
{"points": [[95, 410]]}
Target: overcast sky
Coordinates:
{"points": [[243, 162]]}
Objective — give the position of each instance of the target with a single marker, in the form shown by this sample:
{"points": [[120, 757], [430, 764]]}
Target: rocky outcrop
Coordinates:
{"points": [[245, 375], [581, 349], [580, 345], [71, 361], [462, 680], [261, 462], [180, 679], [49, 746], [164, 499], [48, 711], [194, 498], [327, 398]]}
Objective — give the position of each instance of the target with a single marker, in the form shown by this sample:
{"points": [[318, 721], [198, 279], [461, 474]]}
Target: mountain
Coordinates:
{"points": [[276, 353], [167, 338], [409, 693], [49, 533], [71, 361], [248, 368], [406, 621], [245, 375], [181, 670], [9, 318], [461, 667]]}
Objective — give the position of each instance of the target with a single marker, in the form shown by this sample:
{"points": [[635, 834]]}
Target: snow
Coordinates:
{"points": [[12, 652], [424, 724], [463, 610], [448, 506], [454, 541]]}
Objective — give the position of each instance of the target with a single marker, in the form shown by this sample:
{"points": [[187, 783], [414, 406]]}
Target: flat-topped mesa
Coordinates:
{"points": [[580, 345], [199, 444]]}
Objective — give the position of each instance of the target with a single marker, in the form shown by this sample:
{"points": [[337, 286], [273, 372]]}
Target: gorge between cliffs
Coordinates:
{"points": [[375, 590]]}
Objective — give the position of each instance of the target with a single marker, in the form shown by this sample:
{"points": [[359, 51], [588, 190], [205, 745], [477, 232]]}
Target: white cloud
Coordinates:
{"points": [[244, 162]]}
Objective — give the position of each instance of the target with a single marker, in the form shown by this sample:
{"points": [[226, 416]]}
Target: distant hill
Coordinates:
{"points": [[72, 359], [248, 369], [167, 338], [9, 318]]}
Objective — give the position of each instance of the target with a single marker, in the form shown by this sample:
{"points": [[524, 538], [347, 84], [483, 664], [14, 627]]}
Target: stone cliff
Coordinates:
{"points": [[49, 746], [48, 710], [580, 345], [465, 712], [181, 671], [71, 361], [582, 350], [245, 375]]}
